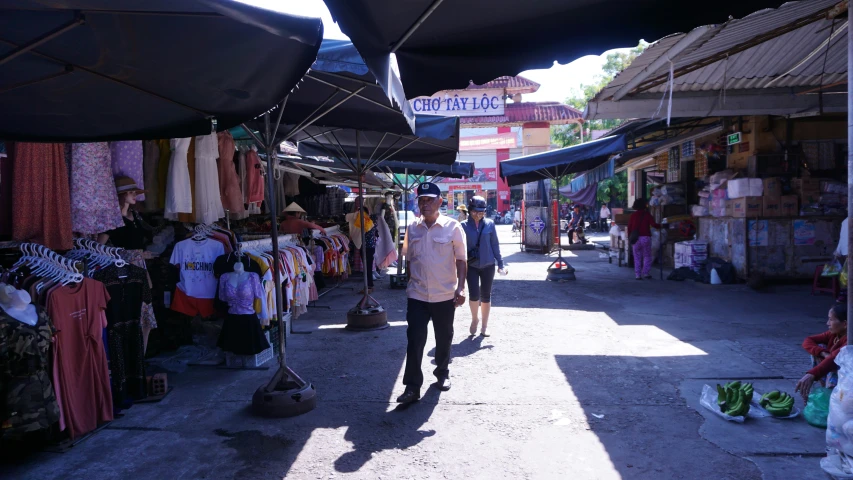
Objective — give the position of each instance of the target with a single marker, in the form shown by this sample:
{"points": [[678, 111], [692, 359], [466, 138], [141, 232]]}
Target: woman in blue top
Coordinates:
{"points": [[483, 253]]}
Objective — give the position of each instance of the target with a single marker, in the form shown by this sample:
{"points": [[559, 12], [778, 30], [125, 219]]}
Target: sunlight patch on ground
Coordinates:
{"points": [[340, 326], [651, 341]]}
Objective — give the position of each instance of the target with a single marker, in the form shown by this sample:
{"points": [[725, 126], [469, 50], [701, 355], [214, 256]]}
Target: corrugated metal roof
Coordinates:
{"points": [[554, 113], [794, 59], [512, 85]]}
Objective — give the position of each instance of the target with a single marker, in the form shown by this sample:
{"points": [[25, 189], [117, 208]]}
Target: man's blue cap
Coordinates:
{"points": [[428, 189]]}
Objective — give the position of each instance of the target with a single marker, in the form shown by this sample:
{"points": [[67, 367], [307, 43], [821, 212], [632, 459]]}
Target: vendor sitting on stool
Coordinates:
{"points": [[292, 222], [823, 348]]}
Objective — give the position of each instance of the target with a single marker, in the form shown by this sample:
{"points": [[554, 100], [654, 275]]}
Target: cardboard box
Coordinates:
{"points": [[745, 187], [809, 185], [809, 197], [622, 218], [789, 206], [772, 187], [771, 207], [746, 207]]}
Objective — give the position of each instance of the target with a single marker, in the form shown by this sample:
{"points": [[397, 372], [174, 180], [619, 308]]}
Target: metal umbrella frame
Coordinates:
{"points": [[346, 147]]}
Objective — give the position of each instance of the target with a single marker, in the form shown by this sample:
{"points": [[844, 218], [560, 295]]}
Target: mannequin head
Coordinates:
{"points": [[127, 191], [238, 267], [127, 198]]}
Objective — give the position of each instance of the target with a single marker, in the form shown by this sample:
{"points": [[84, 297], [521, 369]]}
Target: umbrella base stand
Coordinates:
{"points": [[286, 395], [560, 271], [367, 316]]}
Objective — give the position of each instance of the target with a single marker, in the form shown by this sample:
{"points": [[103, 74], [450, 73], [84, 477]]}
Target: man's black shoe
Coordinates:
{"points": [[443, 384], [409, 396]]}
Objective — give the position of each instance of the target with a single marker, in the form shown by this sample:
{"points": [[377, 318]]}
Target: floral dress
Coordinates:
{"points": [[94, 202]]}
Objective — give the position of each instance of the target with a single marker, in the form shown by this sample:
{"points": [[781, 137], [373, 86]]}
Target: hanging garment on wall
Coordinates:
{"points": [[94, 202], [229, 182], [128, 290], [163, 170], [80, 374], [208, 201], [127, 161], [291, 184], [254, 177], [150, 166], [41, 205], [27, 400], [6, 190], [178, 190], [190, 217]]}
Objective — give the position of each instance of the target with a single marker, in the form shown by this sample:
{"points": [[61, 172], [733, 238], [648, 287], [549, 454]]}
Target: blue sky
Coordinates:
{"points": [[556, 82]]}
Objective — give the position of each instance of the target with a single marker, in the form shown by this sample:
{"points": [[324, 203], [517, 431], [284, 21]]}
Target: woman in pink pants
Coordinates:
{"points": [[642, 222]]}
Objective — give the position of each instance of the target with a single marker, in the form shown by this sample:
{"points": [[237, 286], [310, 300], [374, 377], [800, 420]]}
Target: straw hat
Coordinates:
{"points": [[462, 208], [293, 207], [127, 184]]}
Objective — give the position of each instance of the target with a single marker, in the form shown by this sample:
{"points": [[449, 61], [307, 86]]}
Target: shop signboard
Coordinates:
{"points": [[480, 175], [466, 186], [461, 103], [733, 138]]}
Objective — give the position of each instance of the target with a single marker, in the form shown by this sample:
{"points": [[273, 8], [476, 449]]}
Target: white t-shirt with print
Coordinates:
{"points": [[195, 259]]}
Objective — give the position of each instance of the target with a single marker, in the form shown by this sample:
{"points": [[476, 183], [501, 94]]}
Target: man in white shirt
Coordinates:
{"points": [[604, 214], [438, 263], [841, 249]]}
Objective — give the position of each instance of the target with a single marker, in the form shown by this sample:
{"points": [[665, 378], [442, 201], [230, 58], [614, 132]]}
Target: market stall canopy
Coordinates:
{"points": [[443, 44], [436, 142], [790, 60], [339, 91], [97, 70], [454, 170], [559, 163]]}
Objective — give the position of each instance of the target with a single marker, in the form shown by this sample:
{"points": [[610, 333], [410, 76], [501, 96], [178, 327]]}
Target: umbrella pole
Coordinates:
{"points": [[368, 314], [286, 394], [406, 221]]}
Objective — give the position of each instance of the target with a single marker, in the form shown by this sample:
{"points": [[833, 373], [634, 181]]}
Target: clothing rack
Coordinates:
{"points": [[49, 263], [90, 252], [283, 240]]}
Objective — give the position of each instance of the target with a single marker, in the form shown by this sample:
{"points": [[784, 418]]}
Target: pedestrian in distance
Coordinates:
{"points": [[604, 215], [463, 213], [640, 236], [435, 248], [484, 252]]}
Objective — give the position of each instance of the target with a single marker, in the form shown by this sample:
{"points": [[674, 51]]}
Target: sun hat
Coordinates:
{"points": [[293, 207], [127, 184]]}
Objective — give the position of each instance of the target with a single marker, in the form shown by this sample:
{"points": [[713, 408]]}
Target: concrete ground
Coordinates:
{"points": [[593, 379]]}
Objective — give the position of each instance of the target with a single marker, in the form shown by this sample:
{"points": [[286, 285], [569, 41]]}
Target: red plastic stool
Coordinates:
{"points": [[833, 288]]}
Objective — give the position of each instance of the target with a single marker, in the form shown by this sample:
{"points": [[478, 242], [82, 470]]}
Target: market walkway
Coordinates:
{"points": [[593, 379]]}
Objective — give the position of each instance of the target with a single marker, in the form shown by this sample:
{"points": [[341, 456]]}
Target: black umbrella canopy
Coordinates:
{"points": [[339, 91], [97, 70], [442, 44], [558, 163], [436, 142]]}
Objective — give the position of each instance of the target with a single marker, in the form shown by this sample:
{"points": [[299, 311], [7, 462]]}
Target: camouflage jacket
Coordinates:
{"points": [[27, 399]]}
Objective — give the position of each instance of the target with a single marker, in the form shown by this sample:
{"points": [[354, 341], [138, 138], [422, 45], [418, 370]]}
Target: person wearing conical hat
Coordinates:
{"points": [[293, 222]]}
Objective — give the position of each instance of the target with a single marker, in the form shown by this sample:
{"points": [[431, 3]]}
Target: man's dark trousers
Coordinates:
{"points": [[418, 315]]}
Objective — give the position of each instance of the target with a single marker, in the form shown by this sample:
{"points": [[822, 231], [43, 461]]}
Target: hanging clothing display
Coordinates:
{"points": [[27, 399], [254, 177], [291, 184], [190, 216], [386, 250], [208, 200], [241, 331], [128, 290], [163, 170], [195, 259], [6, 190], [150, 167], [178, 188], [80, 373], [41, 205], [229, 182], [94, 202], [127, 162]]}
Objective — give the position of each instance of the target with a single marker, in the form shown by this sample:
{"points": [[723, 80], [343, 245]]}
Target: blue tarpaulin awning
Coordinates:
{"points": [[559, 163], [590, 177]]}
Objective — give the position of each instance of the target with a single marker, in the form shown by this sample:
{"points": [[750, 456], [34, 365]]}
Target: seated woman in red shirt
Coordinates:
{"points": [[824, 347], [292, 222]]}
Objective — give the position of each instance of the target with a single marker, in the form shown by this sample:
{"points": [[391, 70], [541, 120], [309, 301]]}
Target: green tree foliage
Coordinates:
{"points": [[614, 189], [615, 62]]}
